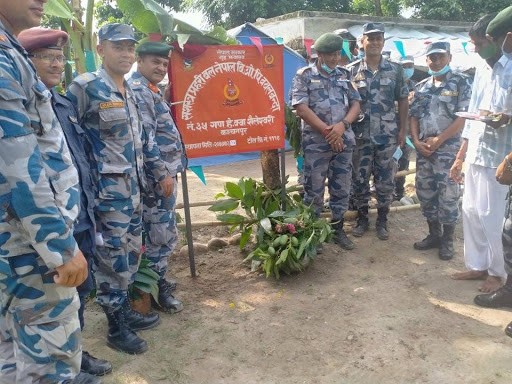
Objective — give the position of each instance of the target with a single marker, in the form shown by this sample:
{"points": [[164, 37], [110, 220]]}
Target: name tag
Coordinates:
{"points": [[112, 104], [315, 81], [449, 93]]}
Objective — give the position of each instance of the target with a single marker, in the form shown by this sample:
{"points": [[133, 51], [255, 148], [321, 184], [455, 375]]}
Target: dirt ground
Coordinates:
{"points": [[382, 313]]}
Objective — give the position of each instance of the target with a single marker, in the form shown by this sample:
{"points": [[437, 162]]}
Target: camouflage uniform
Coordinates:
{"points": [[159, 216], [507, 235], [403, 162], [329, 97], [112, 125], [435, 108], [377, 134], [40, 335]]}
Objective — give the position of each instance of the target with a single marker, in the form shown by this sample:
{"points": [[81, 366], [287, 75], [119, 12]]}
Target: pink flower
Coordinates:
{"points": [[279, 228], [291, 228]]}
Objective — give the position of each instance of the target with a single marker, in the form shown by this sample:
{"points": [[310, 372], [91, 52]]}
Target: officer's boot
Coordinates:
{"points": [[362, 222], [340, 237], [446, 247], [381, 225], [433, 239], [120, 336], [85, 378], [139, 322], [166, 301]]}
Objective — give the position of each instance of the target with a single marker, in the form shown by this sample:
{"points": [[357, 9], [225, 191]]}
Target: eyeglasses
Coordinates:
{"points": [[49, 59]]}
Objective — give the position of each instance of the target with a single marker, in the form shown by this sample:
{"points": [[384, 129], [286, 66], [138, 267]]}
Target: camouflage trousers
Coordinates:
{"points": [[507, 235], [119, 257], [438, 194], [159, 218], [378, 160], [40, 338], [321, 163]]}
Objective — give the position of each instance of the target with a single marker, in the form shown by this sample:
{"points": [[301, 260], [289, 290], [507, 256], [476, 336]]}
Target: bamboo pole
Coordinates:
{"points": [[349, 215], [293, 188]]}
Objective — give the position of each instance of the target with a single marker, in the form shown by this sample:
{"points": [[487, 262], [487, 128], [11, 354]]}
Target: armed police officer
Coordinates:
{"points": [[40, 263], [45, 48], [159, 200], [108, 113], [327, 102], [436, 134], [380, 83]]}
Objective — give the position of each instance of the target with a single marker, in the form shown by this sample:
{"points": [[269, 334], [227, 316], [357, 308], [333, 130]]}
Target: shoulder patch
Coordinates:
{"points": [[353, 64], [85, 78], [300, 71], [5, 42]]}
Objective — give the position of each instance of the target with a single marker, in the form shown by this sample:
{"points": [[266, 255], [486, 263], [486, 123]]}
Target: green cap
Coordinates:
{"points": [[328, 42], [153, 48], [501, 24]]}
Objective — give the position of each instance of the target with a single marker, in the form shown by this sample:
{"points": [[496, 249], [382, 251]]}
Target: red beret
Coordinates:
{"points": [[35, 38]]}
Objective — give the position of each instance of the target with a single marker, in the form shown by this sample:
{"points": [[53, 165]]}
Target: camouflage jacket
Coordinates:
{"points": [[159, 124], [379, 91], [435, 107], [112, 124], [39, 194], [328, 96]]}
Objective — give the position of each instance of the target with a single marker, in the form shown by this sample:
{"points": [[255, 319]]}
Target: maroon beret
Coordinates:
{"points": [[35, 38]]}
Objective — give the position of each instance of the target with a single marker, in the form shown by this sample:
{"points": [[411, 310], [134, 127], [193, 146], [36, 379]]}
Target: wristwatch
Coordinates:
{"points": [[346, 124]]}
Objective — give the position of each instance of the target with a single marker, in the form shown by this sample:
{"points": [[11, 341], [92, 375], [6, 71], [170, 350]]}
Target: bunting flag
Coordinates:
{"points": [[90, 64], [400, 47], [279, 40], [257, 42], [198, 171], [346, 49], [464, 45], [307, 44]]}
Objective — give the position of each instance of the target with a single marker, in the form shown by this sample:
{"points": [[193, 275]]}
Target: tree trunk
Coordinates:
{"points": [[270, 168], [378, 8]]}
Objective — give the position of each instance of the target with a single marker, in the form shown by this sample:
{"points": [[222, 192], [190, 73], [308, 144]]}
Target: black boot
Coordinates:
{"points": [[94, 366], [381, 224], [340, 237], [139, 322], [433, 239], [446, 247], [362, 222], [120, 336], [166, 301]]}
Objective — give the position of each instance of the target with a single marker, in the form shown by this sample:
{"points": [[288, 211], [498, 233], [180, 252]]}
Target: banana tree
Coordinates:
{"points": [[80, 34]]}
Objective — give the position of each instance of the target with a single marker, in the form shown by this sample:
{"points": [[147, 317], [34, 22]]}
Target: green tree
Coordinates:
{"points": [[390, 8], [230, 13], [106, 11], [456, 10]]}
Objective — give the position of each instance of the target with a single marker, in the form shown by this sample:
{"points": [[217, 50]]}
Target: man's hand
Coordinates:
{"points": [[167, 186], [334, 136], [504, 174], [72, 273], [401, 139], [433, 143], [423, 148], [456, 171]]}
